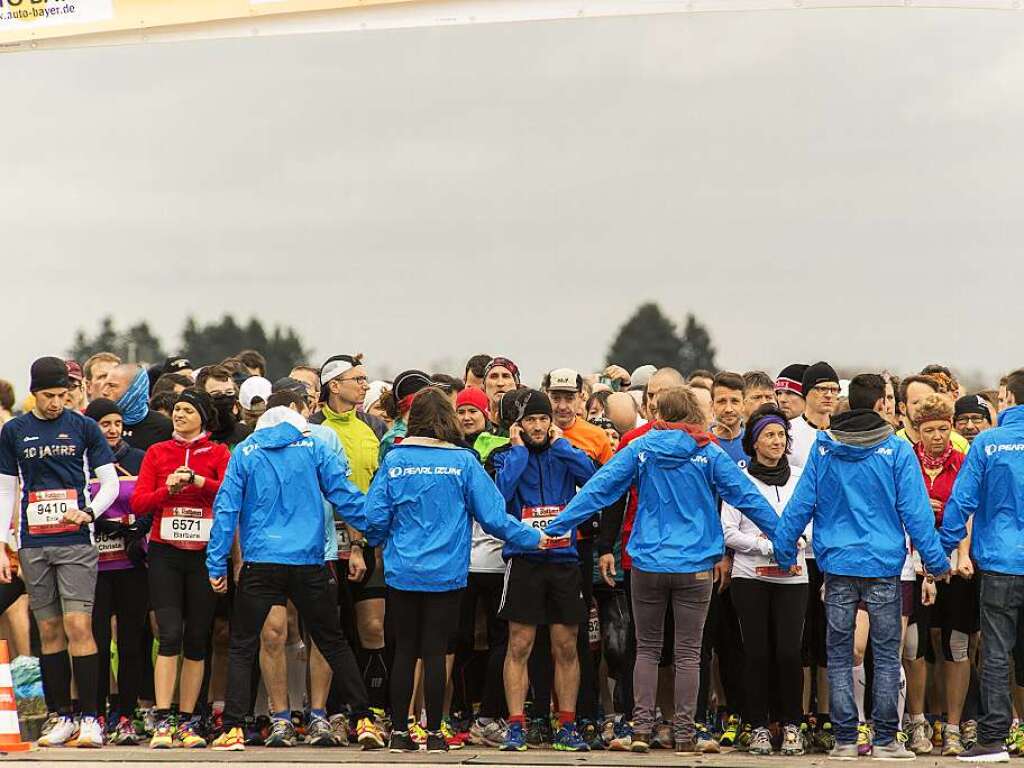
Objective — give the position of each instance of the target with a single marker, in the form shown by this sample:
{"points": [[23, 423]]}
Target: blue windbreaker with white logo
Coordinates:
{"points": [[421, 506], [863, 502], [991, 487], [273, 493], [537, 479], [677, 528]]}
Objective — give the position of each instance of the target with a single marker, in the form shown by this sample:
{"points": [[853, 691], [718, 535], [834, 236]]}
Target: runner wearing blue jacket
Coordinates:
{"points": [[990, 486], [421, 506], [272, 494], [538, 473], [862, 488], [679, 472]]}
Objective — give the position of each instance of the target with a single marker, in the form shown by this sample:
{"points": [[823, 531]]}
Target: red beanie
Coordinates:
{"points": [[474, 397]]}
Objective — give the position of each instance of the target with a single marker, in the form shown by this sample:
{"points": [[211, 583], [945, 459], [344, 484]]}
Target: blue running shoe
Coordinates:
{"points": [[515, 739], [568, 739]]}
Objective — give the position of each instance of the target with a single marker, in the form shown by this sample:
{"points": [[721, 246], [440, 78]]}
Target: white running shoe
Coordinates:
{"points": [[90, 734], [61, 733]]}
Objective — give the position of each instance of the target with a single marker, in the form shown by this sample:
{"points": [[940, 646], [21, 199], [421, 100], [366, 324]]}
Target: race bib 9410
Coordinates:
{"points": [[46, 510]]}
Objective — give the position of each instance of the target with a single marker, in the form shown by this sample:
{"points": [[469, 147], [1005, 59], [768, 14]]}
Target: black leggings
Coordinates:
{"points": [[184, 602], [771, 618], [123, 594], [423, 623], [486, 588], [9, 593]]}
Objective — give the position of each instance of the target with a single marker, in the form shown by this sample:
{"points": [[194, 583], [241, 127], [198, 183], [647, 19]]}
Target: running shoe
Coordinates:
{"points": [[282, 734], [952, 743], [706, 743], [492, 734], [1015, 741], [894, 750], [760, 742], [299, 724], [539, 732], [416, 731], [824, 737], [368, 734], [985, 753], [187, 736], [400, 742], [51, 721], [149, 721], [319, 733], [590, 733], [90, 733], [256, 730], [730, 732], [622, 737], [938, 727], [163, 735], [864, 736], [792, 742], [921, 738], [969, 733], [568, 739], [437, 742], [745, 738], [232, 740], [124, 734], [339, 727], [641, 742], [515, 739], [451, 739], [661, 737]]}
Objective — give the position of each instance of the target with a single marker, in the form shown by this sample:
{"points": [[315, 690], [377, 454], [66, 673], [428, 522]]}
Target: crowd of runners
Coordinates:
{"points": [[654, 559]]}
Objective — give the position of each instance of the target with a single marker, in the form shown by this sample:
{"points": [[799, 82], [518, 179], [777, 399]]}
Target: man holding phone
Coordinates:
{"points": [[538, 473]]}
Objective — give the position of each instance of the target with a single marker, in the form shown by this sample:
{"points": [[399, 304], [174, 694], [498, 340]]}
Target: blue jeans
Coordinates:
{"points": [[1001, 599], [882, 596]]}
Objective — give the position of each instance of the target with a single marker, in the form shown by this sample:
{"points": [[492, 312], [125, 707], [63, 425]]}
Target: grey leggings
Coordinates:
{"points": [[689, 594]]}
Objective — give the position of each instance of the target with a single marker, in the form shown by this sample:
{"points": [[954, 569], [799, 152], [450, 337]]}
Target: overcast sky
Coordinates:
{"points": [[830, 184]]}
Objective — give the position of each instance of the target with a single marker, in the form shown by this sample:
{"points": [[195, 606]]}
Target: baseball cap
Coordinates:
{"points": [[639, 378], [74, 370], [254, 388], [564, 380], [288, 384], [335, 367]]}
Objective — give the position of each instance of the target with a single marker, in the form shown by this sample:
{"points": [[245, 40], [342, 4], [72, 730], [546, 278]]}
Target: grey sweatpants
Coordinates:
{"points": [[689, 594]]}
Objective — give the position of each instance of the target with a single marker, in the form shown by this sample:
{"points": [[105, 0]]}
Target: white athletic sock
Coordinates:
{"points": [[859, 683], [295, 657]]}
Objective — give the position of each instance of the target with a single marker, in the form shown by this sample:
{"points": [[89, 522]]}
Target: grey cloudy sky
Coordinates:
{"points": [[829, 183]]}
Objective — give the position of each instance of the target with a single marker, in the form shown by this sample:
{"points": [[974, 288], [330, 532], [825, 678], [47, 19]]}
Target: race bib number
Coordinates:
{"points": [[594, 628], [46, 510], [111, 548], [344, 541], [540, 517], [186, 525], [777, 572]]}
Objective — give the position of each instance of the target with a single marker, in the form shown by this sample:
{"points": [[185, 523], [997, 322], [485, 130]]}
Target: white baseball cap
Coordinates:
{"points": [[254, 388]]}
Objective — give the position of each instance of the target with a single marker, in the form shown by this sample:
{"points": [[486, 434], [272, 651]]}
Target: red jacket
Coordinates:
{"points": [[192, 504], [940, 487]]}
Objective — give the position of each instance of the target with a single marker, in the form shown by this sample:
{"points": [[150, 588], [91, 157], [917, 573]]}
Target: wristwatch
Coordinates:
{"points": [[90, 513], [361, 543]]}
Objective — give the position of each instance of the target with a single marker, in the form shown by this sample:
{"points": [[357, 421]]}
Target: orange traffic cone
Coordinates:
{"points": [[10, 733]]}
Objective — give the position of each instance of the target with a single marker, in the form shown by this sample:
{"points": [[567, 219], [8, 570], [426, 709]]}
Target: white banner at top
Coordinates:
{"points": [[33, 24]]}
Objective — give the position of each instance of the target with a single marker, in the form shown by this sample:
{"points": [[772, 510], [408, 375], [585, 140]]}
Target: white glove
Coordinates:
{"points": [[765, 547]]}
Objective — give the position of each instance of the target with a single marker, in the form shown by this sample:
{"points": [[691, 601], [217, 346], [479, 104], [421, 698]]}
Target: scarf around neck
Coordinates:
{"points": [[933, 463], [777, 475]]}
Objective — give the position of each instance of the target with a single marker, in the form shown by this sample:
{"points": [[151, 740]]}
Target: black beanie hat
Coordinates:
{"points": [[972, 404], [101, 407], [409, 383], [49, 373], [791, 379], [532, 403], [203, 403], [819, 373]]}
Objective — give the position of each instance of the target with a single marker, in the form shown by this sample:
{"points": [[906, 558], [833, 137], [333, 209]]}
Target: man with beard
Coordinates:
{"points": [[538, 473]]}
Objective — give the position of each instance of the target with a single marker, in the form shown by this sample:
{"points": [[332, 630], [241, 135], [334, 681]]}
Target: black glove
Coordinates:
{"points": [[135, 540], [109, 528]]}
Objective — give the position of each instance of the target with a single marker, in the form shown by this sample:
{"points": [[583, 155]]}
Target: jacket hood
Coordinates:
{"points": [[854, 435], [671, 445], [279, 427], [1014, 415]]}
